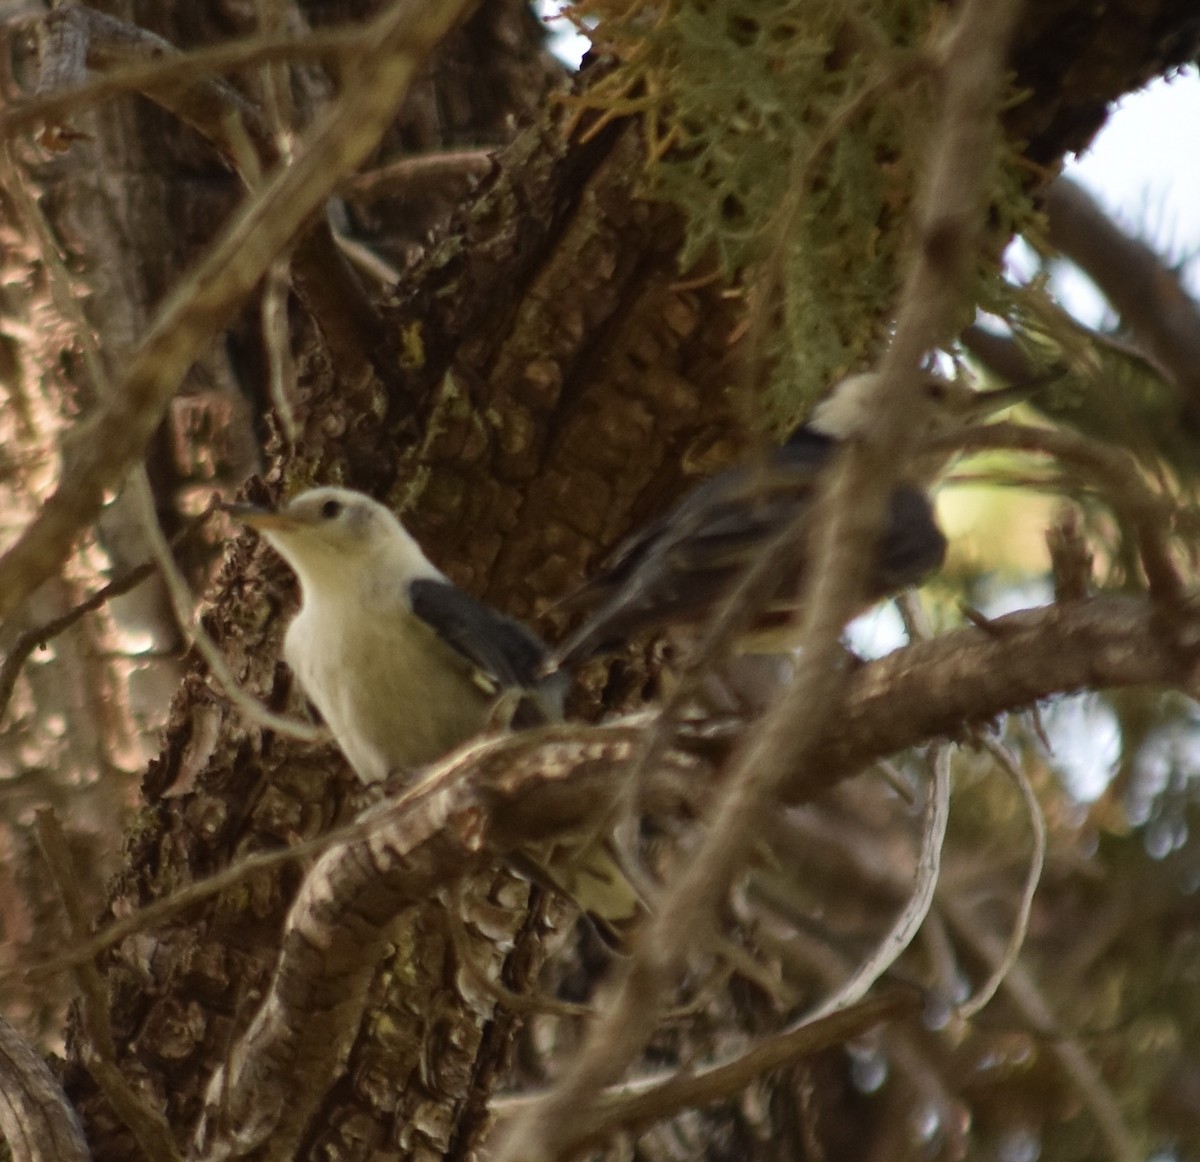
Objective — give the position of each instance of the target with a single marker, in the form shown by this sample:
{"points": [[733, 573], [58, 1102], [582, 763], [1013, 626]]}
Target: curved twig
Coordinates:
{"points": [[1037, 858], [920, 899], [1113, 469]]}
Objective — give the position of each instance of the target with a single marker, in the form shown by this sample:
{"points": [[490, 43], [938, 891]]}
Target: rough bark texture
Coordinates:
{"points": [[541, 380]]}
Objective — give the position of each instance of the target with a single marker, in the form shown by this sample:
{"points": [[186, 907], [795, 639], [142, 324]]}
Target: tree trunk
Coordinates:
{"points": [[541, 377]]}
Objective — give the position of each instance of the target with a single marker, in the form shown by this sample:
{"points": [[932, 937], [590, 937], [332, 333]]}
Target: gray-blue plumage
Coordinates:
{"points": [[404, 666], [680, 567]]}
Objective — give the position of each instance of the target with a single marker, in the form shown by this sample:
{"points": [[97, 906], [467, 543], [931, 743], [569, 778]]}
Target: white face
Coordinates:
{"points": [[940, 405], [336, 514], [334, 535], [334, 520]]}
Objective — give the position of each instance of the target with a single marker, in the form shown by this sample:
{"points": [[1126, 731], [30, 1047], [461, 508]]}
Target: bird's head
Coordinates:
{"points": [[940, 405], [329, 535]]}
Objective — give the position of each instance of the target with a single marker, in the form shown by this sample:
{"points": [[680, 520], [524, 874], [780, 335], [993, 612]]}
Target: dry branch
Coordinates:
{"points": [[1037, 860], [919, 899], [647, 1100]]}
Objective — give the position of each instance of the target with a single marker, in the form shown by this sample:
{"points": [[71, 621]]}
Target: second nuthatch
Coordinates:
{"points": [[680, 567]]}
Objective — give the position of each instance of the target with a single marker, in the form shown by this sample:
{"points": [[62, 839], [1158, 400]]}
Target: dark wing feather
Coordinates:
{"points": [[676, 568], [499, 646], [911, 547], [681, 565], [736, 507]]}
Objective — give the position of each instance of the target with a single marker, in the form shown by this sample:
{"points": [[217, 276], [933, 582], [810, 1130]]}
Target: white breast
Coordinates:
{"points": [[392, 694]]}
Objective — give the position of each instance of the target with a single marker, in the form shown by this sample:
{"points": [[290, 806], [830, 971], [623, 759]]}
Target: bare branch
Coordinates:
{"points": [[39, 635], [649, 1099], [161, 910], [31, 639], [1037, 859], [972, 58], [153, 71], [916, 907], [386, 179], [940, 687], [73, 37]]}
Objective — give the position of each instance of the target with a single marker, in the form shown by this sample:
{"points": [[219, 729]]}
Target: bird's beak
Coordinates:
{"points": [[257, 517]]}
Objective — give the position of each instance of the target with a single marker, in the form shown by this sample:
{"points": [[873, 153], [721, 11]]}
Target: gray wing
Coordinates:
{"points": [[499, 646], [679, 567], [911, 545]]}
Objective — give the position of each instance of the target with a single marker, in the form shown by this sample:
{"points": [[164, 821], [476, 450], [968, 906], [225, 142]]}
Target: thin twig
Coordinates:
{"points": [[386, 180], [37, 637], [646, 1100], [908, 923], [1037, 860], [281, 372], [88, 947], [178, 69], [1115, 471], [100, 451]]}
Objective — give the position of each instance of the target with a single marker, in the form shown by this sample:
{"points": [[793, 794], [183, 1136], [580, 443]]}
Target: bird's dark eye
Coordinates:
{"points": [[331, 509], [935, 391]]}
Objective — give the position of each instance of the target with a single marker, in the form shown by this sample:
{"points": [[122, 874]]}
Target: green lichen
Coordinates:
{"points": [[793, 137], [412, 347]]}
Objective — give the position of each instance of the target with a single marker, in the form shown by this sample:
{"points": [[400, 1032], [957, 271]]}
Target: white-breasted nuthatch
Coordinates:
{"points": [[679, 568], [404, 666]]}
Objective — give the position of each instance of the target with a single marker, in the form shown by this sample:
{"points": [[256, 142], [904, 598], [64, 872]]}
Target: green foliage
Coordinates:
{"points": [[793, 137], [1103, 386]]}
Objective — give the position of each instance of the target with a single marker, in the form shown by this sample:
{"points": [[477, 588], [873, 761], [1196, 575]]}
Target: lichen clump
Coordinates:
{"points": [[793, 138]]}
